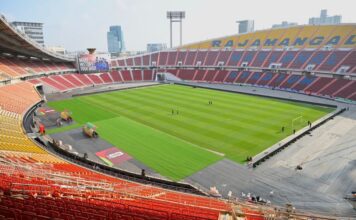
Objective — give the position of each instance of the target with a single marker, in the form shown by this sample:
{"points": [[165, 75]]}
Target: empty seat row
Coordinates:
{"points": [[73, 81], [15, 67], [297, 59]]}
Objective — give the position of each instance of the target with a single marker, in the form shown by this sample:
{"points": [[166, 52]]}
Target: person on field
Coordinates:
{"points": [[309, 123]]}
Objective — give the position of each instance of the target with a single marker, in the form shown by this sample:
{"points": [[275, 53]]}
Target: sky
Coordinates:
{"points": [[79, 24]]}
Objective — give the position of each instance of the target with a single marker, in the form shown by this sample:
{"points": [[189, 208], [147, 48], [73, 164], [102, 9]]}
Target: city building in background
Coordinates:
{"points": [[325, 19], [33, 30], [57, 49], [246, 26], [115, 40], [156, 47], [284, 24]]}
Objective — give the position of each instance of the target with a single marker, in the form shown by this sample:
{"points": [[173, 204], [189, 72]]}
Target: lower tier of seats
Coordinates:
{"points": [[320, 86]]}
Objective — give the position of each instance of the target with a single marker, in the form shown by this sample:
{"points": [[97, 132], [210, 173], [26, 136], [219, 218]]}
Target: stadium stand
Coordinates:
{"points": [[145, 60], [138, 61], [172, 58], [137, 75], [54, 186], [321, 60], [162, 58], [35, 184], [129, 62], [39, 185], [190, 58], [181, 57], [327, 49], [13, 67], [324, 86], [72, 79], [106, 78], [116, 76], [147, 75], [126, 75]]}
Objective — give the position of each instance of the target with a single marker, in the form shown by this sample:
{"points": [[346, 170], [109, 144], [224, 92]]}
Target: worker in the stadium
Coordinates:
{"points": [[59, 122], [299, 167], [42, 129], [282, 128]]}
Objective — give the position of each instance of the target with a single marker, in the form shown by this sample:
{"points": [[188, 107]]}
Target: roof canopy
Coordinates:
{"points": [[17, 43]]}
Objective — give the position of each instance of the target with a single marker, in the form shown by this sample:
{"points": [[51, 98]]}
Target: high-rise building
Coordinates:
{"points": [[33, 30], [325, 19], [156, 47], [284, 24], [57, 49], [115, 40], [246, 26]]}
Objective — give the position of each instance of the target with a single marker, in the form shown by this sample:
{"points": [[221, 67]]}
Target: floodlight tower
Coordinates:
{"points": [[175, 16]]}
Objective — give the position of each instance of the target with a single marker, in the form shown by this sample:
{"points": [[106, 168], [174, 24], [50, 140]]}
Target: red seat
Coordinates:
{"points": [[29, 208], [67, 216], [54, 214], [41, 211], [7, 213], [27, 215]]}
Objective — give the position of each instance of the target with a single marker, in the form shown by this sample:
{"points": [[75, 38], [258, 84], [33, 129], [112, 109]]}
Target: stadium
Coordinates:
{"points": [[253, 126]]}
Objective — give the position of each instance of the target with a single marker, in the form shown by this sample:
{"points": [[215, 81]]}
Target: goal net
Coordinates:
{"points": [[298, 122]]}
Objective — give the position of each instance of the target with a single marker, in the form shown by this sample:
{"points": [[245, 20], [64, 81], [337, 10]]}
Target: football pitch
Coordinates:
{"points": [[176, 132]]}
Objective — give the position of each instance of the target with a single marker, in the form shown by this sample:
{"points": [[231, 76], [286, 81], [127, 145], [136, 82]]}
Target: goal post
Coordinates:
{"points": [[297, 121]]}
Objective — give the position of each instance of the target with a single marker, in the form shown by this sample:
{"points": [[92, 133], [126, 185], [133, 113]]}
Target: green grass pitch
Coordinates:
{"points": [[140, 122]]}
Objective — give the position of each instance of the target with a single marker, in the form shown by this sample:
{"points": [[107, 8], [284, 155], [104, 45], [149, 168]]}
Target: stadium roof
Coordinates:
{"points": [[17, 43]]}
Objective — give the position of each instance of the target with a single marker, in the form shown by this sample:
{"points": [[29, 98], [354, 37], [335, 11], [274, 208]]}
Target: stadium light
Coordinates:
{"points": [[175, 16]]}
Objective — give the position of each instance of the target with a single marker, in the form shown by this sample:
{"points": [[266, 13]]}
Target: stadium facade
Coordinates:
{"points": [[41, 180]]}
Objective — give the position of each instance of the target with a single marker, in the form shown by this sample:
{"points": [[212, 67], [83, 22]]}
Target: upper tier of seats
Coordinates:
{"points": [[325, 48], [299, 37], [341, 61], [15, 67], [73, 81]]}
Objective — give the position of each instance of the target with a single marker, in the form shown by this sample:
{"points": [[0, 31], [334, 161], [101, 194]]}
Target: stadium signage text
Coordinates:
{"points": [[114, 155], [299, 41]]}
